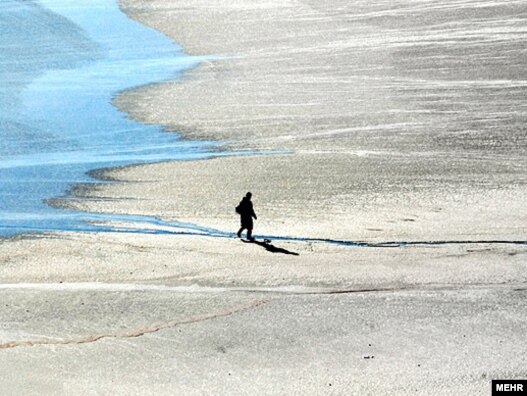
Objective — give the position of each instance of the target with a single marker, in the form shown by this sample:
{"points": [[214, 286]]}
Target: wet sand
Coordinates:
{"points": [[403, 122]]}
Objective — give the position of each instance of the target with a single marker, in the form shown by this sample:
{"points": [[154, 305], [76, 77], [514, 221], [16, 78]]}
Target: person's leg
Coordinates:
{"points": [[250, 234], [240, 232]]}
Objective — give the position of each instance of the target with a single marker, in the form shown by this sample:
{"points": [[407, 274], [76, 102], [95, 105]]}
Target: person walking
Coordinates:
{"points": [[246, 212]]}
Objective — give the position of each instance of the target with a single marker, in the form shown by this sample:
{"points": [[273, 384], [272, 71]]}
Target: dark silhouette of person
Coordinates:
{"points": [[246, 212]]}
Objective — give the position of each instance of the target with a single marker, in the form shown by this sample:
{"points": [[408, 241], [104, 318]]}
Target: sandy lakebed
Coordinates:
{"points": [[400, 125]]}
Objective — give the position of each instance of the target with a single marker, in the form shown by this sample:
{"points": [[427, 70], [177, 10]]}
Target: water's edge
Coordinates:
{"points": [[86, 134]]}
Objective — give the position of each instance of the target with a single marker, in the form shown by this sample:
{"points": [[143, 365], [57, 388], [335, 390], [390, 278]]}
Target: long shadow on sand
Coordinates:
{"points": [[271, 248]]}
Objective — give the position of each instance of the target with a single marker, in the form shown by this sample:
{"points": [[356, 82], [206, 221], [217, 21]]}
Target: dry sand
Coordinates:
{"points": [[337, 196], [431, 76], [222, 263], [162, 315], [404, 122], [424, 342]]}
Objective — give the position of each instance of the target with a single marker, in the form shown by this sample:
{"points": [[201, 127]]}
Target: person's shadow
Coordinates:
{"points": [[271, 248]]}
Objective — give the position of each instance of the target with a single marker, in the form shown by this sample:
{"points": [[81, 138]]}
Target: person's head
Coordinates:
{"points": [[248, 195]]}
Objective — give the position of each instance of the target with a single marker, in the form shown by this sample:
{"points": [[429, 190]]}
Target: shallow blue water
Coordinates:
{"points": [[61, 63]]}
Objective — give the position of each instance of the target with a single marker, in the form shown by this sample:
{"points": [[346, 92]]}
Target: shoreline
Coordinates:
{"points": [[149, 189], [304, 153], [77, 129], [160, 314], [432, 215], [135, 189]]}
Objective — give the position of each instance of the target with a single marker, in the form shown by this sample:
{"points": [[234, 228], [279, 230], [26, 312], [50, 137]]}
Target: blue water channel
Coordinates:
{"points": [[61, 63]]}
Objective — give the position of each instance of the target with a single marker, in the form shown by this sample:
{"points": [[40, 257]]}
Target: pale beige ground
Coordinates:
{"points": [[424, 342], [405, 121], [116, 314], [218, 262], [399, 75], [354, 198]]}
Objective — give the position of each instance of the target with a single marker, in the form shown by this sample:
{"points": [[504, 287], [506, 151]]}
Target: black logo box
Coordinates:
{"points": [[509, 387]]}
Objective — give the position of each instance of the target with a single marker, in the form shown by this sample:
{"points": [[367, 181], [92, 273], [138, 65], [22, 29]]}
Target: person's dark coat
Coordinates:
{"points": [[246, 211]]}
